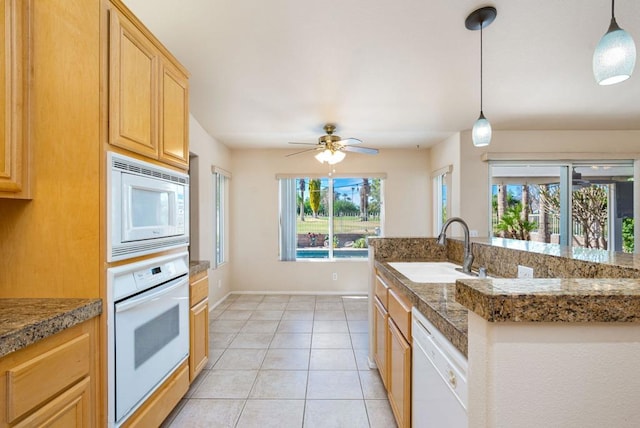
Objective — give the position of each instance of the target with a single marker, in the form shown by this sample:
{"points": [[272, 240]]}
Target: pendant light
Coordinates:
{"points": [[477, 20], [615, 55]]}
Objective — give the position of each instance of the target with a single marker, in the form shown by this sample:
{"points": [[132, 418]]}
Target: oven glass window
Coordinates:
{"points": [[149, 208], [152, 336]]}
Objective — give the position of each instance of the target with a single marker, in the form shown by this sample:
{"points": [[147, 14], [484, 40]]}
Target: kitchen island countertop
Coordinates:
{"points": [[24, 321], [588, 287]]}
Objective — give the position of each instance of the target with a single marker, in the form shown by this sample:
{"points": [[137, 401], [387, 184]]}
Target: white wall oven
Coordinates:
{"points": [[148, 329], [147, 208]]}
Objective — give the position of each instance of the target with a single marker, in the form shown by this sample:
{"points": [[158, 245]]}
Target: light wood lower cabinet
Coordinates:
{"points": [[392, 347], [199, 324], [52, 383], [380, 333], [399, 387]]}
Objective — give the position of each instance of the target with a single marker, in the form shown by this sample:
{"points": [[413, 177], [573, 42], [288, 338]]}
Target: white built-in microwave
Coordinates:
{"points": [[147, 208]]}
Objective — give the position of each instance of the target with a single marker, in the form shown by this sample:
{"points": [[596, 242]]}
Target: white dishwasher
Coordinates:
{"points": [[439, 379]]}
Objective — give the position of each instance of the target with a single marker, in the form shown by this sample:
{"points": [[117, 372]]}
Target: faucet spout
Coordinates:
{"points": [[442, 240]]}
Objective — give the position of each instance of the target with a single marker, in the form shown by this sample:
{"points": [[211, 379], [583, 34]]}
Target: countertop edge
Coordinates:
{"points": [[34, 331], [197, 266], [561, 300]]}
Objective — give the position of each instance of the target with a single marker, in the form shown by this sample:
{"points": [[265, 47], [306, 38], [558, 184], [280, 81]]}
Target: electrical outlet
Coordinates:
{"points": [[473, 233], [335, 276], [525, 272], [219, 283]]}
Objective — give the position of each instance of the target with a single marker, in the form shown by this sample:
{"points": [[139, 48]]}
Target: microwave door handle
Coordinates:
{"points": [[131, 303]]}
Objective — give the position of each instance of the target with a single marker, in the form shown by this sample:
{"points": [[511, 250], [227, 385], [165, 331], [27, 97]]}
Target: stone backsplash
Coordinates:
{"points": [[501, 257]]}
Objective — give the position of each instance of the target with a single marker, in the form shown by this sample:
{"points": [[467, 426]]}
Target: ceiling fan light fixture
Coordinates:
{"points": [[481, 132], [336, 157], [615, 56], [330, 157]]}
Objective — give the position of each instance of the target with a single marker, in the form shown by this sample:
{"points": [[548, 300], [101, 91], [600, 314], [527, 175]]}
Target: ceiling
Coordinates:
{"points": [[392, 73]]}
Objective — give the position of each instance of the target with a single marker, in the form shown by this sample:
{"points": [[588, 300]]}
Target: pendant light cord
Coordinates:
{"points": [[613, 5], [481, 26]]}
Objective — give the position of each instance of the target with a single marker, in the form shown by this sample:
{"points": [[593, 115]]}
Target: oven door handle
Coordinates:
{"points": [[162, 290]]}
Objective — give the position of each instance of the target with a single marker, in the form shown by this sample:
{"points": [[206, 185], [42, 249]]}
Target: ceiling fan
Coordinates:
{"points": [[332, 148]]}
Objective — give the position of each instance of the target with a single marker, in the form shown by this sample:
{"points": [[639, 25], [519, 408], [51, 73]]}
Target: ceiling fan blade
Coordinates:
{"points": [[303, 151], [349, 141], [304, 144], [357, 149]]}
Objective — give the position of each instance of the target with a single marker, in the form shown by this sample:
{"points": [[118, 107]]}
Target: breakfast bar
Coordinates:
{"points": [[539, 350]]}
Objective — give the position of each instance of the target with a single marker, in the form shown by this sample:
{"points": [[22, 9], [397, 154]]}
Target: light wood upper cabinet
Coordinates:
{"points": [[174, 116], [14, 141], [148, 93], [133, 75]]}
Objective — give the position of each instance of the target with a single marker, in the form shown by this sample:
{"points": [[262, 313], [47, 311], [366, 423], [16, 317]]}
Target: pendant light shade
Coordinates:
{"points": [[481, 133], [477, 20], [615, 56]]}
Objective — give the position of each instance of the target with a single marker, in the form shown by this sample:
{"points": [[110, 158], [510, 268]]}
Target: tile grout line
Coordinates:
{"points": [[314, 319]]}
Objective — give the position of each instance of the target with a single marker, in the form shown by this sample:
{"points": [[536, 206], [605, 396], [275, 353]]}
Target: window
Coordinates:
{"points": [[579, 203], [220, 178], [329, 218], [441, 187]]}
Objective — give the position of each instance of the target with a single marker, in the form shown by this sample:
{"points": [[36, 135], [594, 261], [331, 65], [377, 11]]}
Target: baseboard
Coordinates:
{"points": [[212, 306], [303, 293]]}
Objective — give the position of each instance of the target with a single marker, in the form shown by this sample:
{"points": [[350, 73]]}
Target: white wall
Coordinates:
{"points": [[472, 195], [254, 224], [445, 154], [528, 374], [209, 152]]}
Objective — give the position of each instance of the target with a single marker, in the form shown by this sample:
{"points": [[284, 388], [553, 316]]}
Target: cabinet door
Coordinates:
{"points": [[70, 409], [380, 332], [399, 387], [174, 116], [14, 178], [133, 83], [199, 338]]}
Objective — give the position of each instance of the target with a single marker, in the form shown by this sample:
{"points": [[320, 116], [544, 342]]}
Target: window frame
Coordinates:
{"points": [[441, 178], [288, 218], [220, 214], [565, 185]]}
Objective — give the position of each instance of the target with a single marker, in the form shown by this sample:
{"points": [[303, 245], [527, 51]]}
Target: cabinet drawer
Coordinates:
{"points": [[69, 409], [382, 291], [38, 379], [161, 403], [199, 288], [400, 312]]}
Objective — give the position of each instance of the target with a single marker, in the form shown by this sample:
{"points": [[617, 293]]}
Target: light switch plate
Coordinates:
{"points": [[525, 272]]}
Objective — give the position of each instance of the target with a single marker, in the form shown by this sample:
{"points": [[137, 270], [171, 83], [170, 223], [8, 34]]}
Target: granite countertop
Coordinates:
{"points": [[571, 285], [26, 321], [197, 266], [552, 299], [436, 301]]}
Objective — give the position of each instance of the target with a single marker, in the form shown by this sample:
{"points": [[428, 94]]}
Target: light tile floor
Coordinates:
{"points": [[287, 361]]}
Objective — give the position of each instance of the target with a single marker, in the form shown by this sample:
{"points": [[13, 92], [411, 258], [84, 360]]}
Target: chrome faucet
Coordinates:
{"points": [[442, 239]]}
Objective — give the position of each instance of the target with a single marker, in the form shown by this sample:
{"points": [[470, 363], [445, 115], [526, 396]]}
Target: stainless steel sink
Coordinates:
{"points": [[430, 271]]}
